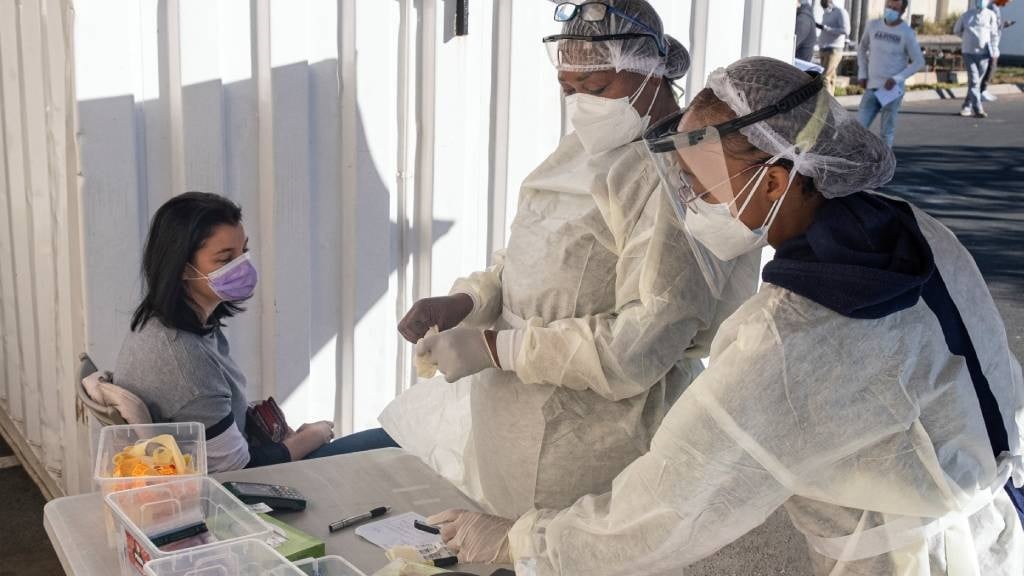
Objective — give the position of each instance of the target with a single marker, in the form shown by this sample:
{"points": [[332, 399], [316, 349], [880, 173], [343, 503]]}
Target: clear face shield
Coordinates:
{"points": [[693, 168]]}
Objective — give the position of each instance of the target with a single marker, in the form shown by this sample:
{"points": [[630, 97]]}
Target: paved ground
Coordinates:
{"points": [[969, 173], [24, 547]]}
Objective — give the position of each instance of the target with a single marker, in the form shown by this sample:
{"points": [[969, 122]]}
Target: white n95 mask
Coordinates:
{"points": [[604, 124], [725, 235]]}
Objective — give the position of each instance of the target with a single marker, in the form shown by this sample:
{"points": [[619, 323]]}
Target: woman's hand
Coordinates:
{"points": [[445, 312], [308, 438]]}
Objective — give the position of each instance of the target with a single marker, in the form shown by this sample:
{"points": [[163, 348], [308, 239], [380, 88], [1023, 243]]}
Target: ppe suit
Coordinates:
{"points": [[847, 407], [608, 316]]}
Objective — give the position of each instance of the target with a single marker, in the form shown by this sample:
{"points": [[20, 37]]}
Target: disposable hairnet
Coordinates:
{"points": [[639, 55], [823, 140]]}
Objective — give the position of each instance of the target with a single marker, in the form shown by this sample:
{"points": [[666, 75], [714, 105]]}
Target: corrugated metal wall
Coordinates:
{"points": [[40, 279], [375, 154]]}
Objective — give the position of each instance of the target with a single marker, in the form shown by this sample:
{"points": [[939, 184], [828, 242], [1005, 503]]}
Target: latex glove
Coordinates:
{"points": [[445, 312], [474, 537], [457, 353]]}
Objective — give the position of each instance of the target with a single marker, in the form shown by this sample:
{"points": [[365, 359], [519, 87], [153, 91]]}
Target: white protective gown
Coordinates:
{"points": [[869, 432], [609, 317]]}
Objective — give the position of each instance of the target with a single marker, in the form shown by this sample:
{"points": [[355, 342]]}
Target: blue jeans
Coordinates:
{"points": [[870, 107], [358, 442], [977, 65]]}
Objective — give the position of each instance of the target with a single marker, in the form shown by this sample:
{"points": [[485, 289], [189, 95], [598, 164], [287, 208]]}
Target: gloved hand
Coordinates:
{"points": [[445, 312], [474, 537], [457, 353]]}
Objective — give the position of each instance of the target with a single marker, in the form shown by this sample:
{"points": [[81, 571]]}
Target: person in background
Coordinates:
{"points": [[176, 359], [887, 55], [806, 37], [978, 28], [997, 8], [835, 27]]}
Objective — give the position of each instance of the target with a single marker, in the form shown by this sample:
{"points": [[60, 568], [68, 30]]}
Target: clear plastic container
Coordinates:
{"points": [[328, 566], [189, 436], [243, 558], [166, 512], [191, 440]]}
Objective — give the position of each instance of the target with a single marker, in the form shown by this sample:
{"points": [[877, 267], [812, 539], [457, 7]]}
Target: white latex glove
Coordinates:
{"points": [[457, 353], [474, 537]]}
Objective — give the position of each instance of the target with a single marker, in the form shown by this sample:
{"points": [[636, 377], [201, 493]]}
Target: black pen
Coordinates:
{"points": [[353, 520]]}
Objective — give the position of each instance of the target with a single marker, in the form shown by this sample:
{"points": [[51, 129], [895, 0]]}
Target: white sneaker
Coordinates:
{"points": [[966, 112], [988, 96]]}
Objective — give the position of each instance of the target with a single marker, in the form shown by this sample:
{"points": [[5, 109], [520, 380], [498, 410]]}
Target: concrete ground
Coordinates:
{"points": [[967, 172], [25, 549]]}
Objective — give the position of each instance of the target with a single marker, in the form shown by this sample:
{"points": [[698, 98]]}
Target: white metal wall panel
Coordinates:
{"points": [[378, 236], [20, 220], [38, 258]]}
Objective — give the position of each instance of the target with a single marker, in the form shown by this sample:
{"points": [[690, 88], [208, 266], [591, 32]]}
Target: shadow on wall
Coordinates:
{"points": [[125, 151], [984, 212]]}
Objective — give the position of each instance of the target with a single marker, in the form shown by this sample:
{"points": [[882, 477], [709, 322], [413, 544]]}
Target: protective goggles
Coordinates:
{"points": [[692, 164], [564, 48]]}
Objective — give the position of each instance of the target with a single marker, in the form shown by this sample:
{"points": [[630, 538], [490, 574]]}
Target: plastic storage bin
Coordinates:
{"points": [[155, 512], [328, 566], [243, 558], [190, 437]]}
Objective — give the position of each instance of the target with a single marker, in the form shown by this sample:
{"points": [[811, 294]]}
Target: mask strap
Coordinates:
{"points": [[636, 95], [756, 180], [653, 99], [777, 207], [201, 275]]}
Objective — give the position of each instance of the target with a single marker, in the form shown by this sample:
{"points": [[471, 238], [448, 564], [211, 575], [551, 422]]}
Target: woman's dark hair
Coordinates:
{"points": [[179, 229]]}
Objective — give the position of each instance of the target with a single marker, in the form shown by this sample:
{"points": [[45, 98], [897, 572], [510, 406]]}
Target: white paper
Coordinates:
{"points": [[397, 531], [885, 97]]}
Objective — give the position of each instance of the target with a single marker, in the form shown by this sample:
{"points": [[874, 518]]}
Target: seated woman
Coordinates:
{"points": [[198, 271]]}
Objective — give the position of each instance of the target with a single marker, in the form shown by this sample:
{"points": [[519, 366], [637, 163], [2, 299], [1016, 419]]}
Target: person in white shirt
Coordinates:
{"points": [[997, 7], [887, 55], [978, 28], [835, 27]]}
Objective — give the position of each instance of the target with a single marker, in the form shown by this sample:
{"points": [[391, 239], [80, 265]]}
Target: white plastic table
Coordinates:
{"points": [[334, 487]]}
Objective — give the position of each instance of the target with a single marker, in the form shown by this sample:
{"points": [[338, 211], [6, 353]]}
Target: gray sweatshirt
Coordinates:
{"points": [[835, 27], [888, 52], [806, 32], [186, 377]]}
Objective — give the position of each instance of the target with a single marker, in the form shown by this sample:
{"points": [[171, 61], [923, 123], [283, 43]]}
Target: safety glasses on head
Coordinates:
{"points": [[589, 46], [692, 164], [596, 12]]}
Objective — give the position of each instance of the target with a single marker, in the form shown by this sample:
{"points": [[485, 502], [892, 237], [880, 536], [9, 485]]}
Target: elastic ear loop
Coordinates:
{"points": [[763, 171], [636, 95], [770, 219]]}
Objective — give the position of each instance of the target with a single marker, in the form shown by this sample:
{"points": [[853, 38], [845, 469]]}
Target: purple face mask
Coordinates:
{"points": [[234, 281]]}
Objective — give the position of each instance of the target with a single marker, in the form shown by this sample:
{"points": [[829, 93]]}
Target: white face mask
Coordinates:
{"points": [[604, 124], [725, 235]]}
